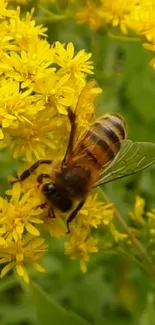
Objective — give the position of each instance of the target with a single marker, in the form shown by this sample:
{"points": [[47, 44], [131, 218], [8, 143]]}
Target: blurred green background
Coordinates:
{"points": [[113, 291]]}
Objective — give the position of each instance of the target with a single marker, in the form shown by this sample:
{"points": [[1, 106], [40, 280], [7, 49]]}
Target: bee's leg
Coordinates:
{"points": [[29, 171], [51, 214], [41, 177], [41, 206], [69, 149], [73, 215]]}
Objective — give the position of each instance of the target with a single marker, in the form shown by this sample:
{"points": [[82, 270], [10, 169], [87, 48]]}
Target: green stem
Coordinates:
{"points": [[133, 239], [124, 38], [50, 16], [8, 283]]}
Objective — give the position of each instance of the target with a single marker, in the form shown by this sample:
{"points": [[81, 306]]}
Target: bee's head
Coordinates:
{"points": [[57, 196]]}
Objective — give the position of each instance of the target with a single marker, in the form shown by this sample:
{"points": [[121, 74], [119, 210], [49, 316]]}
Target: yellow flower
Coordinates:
{"points": [[151, 214], [6, 39], [95, 212], [32, 140], [4, 12], [142, 20], [17, 216], [25, 31], [70, 64], [118, 236], [17, 254], [15, 106], [137, 214], [90, 15], [80, 245], [30, 65], [55, 92], [56, 226], [115, 12]]}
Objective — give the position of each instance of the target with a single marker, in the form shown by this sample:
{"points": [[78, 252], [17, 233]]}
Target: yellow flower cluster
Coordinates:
{"points": [[97, 15], [131, 16], [38, 81]]}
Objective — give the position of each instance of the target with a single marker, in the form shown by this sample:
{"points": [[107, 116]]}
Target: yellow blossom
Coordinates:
{"points": [[90, 15], [17, 254], [142, 20], [137, 214], [55, 92], [15, 106], [56, 226], [15, 217], [118, 236], [116, 12], [32, 140], [70, 64], [80, 245], [4, 12], [95, 212], [25, 31], [151, 214], [30, 65]]}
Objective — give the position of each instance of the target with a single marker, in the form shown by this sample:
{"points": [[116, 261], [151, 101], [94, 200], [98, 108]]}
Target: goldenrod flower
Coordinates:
{"points": [[32, 140], [141, 20], [17, 254], [25, 31], [137, 214], [80, 245], [118, 236], [55, 92], [30, 65], [115, 12], [95, 212], [4, 12], [70, 64], [16, 217], [32, 83], [15, 106], [151, 214], [90, 14]]}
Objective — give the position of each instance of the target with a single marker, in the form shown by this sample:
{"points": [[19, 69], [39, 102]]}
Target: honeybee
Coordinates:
{"points": [[100, 155]]}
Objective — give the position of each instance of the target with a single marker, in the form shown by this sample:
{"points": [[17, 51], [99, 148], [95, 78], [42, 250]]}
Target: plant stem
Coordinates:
{"points": [[134, 240], [124, 38]]}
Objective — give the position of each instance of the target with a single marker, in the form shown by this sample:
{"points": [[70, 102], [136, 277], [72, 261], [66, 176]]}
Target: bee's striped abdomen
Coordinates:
{"points": [[102, 142]]}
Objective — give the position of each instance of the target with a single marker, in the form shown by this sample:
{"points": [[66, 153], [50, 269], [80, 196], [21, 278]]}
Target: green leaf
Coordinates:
{"points": [[49, 312], [148, 315]]}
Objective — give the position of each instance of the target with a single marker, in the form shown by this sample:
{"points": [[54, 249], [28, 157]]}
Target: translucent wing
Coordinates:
{"points": [[84, 110], [132, 158], [82, 116]]}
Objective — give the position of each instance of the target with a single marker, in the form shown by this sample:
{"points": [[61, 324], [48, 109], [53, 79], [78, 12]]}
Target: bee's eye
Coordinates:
{"points": [[49, 188]]}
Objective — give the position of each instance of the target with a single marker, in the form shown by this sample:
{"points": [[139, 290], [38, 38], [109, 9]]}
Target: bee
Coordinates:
{"points": [[100, 155]]}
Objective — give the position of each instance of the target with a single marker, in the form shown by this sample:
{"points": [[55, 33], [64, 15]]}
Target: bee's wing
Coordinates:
{"points": [[83, 116], [84, 110], [131, 158]]}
